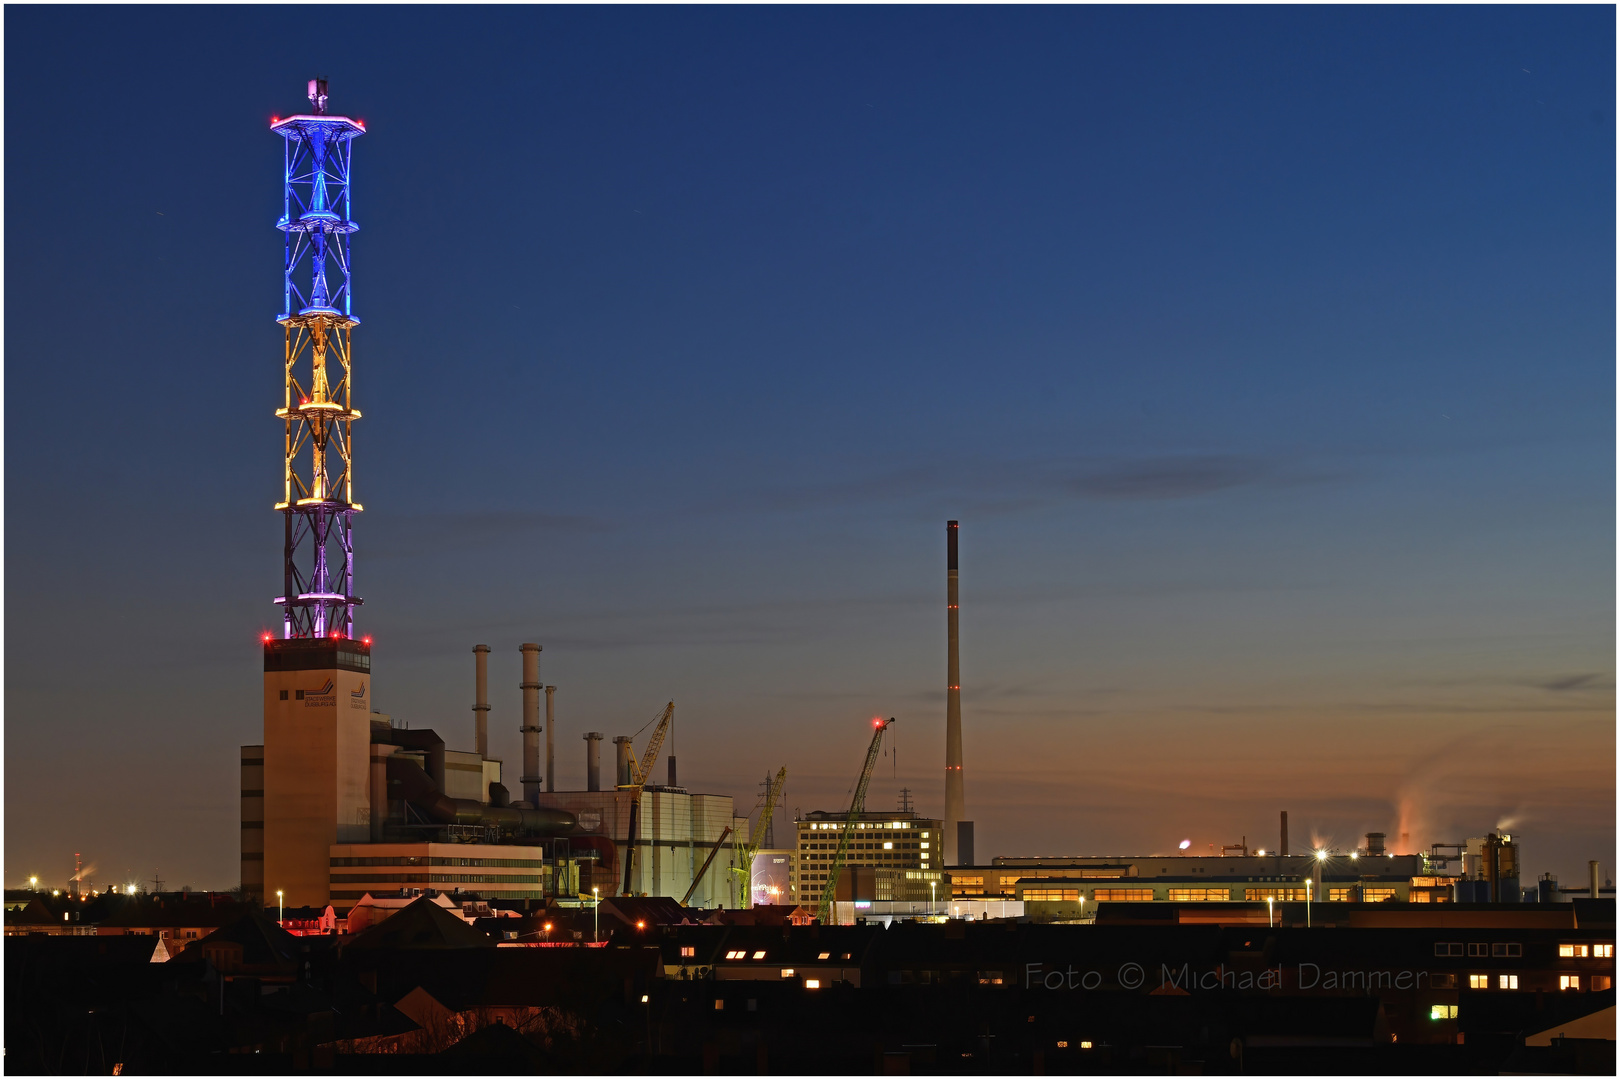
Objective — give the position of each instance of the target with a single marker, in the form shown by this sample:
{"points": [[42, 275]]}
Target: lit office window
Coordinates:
{"points": [[1605, 951], [1126, 895], [1569, 982], [1507, 982], [1572, 950], [1479, 982], [1443, 1012]]}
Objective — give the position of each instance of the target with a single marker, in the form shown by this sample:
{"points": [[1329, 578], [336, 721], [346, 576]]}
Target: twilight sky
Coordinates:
{"points": [[1266, 356]]}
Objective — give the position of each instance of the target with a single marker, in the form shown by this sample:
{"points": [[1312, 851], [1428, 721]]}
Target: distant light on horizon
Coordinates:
{"points": [[1185, 844]]}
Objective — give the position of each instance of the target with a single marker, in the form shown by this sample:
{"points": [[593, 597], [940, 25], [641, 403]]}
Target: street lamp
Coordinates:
{"points": [[596, 920], [1309, 888], [281, 908], [931, 899], [1271, 920]]}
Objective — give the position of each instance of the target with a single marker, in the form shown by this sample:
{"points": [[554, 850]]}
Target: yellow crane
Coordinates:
{"points": [[742, 894], [856, 805], [638, 780]]}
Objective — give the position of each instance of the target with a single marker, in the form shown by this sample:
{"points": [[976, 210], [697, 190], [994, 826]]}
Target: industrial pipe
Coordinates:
{"points": [[531, 722], [955, 808], [624, 763], [551, 728], [481, 699], [593, 761]]}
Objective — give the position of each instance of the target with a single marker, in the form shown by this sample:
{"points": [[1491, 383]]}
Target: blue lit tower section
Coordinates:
{"points": [[317, 501]]}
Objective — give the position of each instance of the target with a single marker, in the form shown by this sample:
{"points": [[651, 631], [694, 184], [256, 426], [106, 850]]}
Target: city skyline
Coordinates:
{"points": [[1266, 358]]}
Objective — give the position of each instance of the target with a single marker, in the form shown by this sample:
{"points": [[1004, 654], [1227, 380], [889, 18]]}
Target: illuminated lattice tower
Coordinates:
{"points": [[317, 499]]}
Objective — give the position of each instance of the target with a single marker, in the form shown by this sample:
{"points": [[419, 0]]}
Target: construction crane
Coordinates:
{"points": [[638, 780], [742, 893], [718, 844], [856, 805]]}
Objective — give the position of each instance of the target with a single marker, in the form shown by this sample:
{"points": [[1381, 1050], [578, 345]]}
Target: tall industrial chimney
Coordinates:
{"points": [[1592, 866], [624, 767], [954, 809], [593, 761], [531, 722], [551, 728], [1284, 849], [481, 699]]}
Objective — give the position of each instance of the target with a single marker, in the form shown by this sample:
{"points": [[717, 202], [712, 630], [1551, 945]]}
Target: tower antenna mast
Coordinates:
{"points": [[317, 411]]}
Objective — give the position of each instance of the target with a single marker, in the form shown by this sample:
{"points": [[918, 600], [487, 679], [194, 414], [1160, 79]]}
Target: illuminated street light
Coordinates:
{"points": [[281, 908], [596, 920]]}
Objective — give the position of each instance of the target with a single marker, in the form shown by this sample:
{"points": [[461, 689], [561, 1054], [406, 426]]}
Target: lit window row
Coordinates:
{"points": [[1583, 951], [1279, 895], [1123, 895]]}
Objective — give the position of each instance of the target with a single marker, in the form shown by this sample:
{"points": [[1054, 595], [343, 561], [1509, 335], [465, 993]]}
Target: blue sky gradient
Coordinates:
{"points": [[1266, 356]]}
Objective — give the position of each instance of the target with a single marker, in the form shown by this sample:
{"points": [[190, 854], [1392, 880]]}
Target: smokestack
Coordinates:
{"points": [[672, 782], [481, 699], [1284, 849], [531, 722], [624, 765], [593, 761], [1406, 844], [551, 728], [954, 809], [1592, 865]]}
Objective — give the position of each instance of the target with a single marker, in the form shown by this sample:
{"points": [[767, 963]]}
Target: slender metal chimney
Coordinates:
{"points": [[624, 764], [672, 782], [593, 761], [1284, 849], [1592, 866], [551, 748], [531, 721], [481, 699], [954, 802]]}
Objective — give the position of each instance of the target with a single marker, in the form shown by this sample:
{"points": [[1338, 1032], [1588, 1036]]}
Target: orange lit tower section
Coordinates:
{"points": [[317, 410]]}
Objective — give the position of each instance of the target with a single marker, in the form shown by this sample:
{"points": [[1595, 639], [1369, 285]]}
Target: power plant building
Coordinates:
{"points": [[338, 801]]}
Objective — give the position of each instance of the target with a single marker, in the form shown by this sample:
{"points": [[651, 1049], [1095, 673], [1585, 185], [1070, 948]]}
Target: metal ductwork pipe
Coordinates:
{"points": [[593, 761], [551, 729], [624, 764], [416, 787], [531, 722], [481, 699]]}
